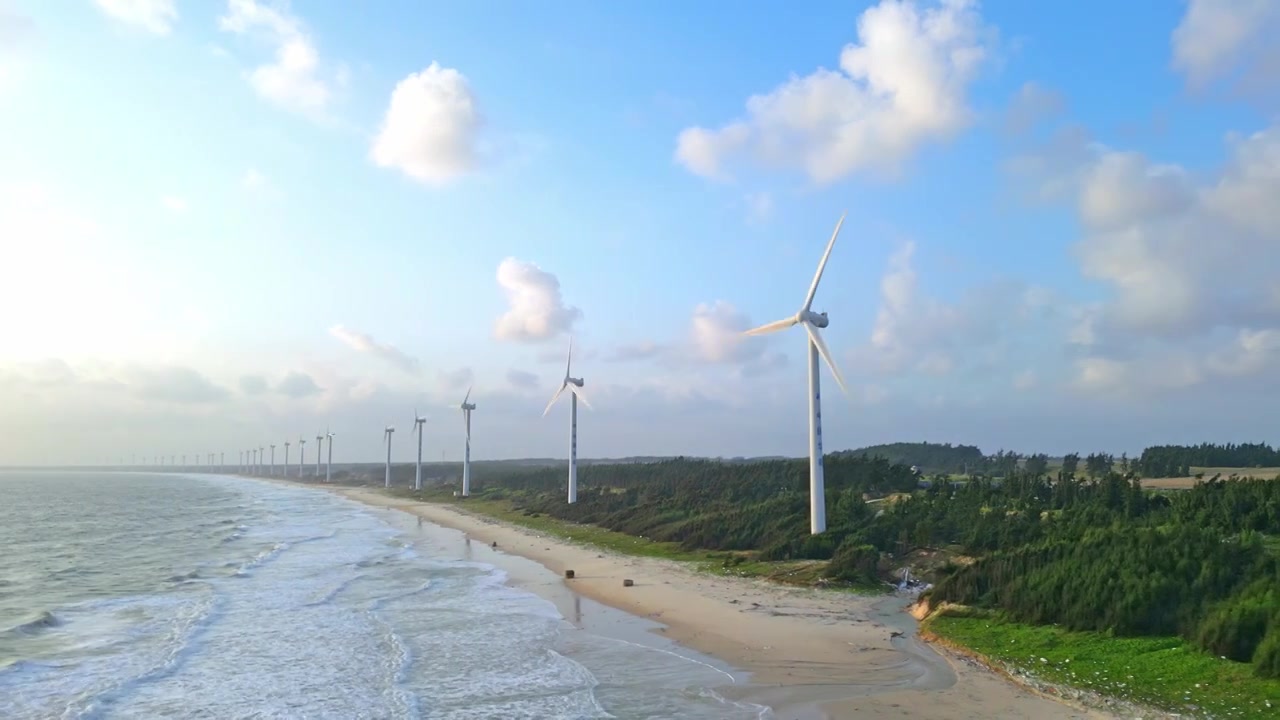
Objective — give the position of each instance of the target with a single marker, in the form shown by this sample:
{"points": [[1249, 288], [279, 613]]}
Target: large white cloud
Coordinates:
{"points": [[155, 16], [536, 311], [294, 80], [1190, 259], [1220, 38], [901, 85], [431, 127]]}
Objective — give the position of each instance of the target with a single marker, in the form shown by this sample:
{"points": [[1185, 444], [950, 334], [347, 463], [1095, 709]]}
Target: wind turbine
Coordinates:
{"points": [[328, 464], [273, 460], [386, 440], [319, 444], [302, 455], [418, 422], [466, 453], [812, 322], [286, 457], [262, 459], [575, 391]]}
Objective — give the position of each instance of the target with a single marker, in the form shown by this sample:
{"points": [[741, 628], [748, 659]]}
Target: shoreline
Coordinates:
{"points": [[809, 653]]}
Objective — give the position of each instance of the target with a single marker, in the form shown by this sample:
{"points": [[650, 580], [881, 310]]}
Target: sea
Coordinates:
{"points": [[149, 595]]}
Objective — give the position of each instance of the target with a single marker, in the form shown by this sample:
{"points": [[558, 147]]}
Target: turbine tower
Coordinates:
{"points": [[262, 458], [319, 444], [273, 460], [302, 455], [386, 440], [418, 422], [812, 322], [466, 453], [222, 461], [575, 393], [286, 457], [328, 464]]}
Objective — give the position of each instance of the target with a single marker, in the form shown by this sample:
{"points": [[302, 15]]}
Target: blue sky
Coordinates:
{"points": [[228, 228]]}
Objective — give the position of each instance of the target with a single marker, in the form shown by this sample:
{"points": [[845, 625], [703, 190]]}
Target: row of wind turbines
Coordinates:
{"points": [[252, 460]]}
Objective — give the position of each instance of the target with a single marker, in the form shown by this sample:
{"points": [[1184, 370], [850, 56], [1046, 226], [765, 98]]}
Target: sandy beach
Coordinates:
{"points": [[810, 653]]}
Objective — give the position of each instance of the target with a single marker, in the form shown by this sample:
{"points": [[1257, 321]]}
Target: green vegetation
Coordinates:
{"points": [[1160, 671], [1178, 460], [932, 458], [1092, 556]]}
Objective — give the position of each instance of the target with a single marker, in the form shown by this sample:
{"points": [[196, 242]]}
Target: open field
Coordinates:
{"points": [[1163, 672], [1182, 483]]}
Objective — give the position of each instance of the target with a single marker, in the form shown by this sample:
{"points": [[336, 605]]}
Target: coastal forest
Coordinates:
{"points": [[1083, 546]]}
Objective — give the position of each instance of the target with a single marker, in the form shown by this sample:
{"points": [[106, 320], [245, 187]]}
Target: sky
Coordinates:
{"points": [[230, 224]]}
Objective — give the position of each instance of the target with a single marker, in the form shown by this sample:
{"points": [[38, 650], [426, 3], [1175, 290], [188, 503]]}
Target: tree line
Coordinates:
{"points": [[1089, 552]]}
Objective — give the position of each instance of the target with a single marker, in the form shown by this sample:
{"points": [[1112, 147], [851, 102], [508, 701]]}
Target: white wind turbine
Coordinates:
{"points": [[319, 444], [386, 440], [262, 459], [466, 453], [812, 322], [286, 457], [302, 455], [273, 461], [419, 421], [328, 463], [575, 392]]}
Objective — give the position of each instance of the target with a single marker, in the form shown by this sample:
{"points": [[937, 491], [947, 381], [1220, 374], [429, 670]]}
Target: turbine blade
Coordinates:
{"points": [[771, 327], [569, 362], [822, 264], [466, 397], [816, 338], [578, 391], [554, 398]]}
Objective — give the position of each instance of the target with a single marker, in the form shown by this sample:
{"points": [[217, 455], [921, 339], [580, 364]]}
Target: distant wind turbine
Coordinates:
{"points": [[262, 458], [418, 422], [319, 444], [273, 460], [466, 453], [575, 391], [328, 465], [222, 461], [386, 440], [286, 457], [302, 455], [812, 322]]}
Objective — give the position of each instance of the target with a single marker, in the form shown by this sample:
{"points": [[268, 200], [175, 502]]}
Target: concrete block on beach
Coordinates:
{"points": [[628, 582]]}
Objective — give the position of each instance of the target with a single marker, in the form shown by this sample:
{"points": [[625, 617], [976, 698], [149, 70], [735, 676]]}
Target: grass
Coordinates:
{"points": [[806, 573], [1162, 672]]}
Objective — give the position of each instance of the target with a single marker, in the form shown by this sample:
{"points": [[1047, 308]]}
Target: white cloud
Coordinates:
{"points": [[364, 343], [916, 333], [174, 203], [716, 336], [253, 385], [521, 380], [298, 385], [536, 309], [431, 127], [293, 80], [1219, 38], [172, 384], [901, 86], [1169, 243], [155, 16], [1032, 104]]}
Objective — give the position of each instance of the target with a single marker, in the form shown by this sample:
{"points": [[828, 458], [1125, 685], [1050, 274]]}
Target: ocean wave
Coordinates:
{"points": [[41, 621]]}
